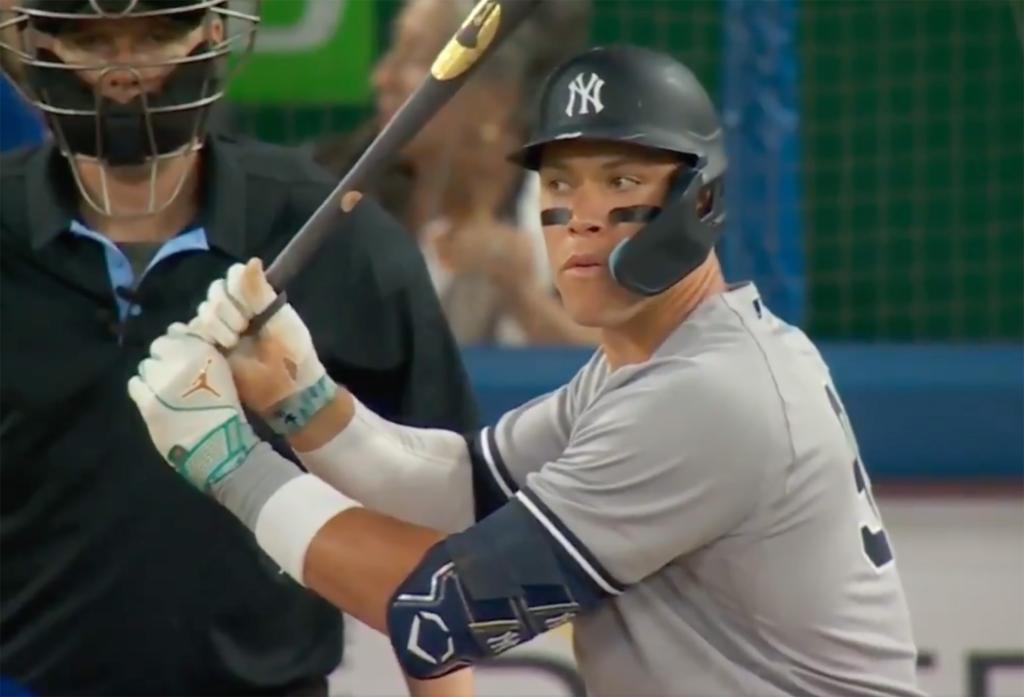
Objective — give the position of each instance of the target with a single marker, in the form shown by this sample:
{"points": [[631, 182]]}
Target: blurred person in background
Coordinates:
{"points": [[118, 579], [474, 213]]}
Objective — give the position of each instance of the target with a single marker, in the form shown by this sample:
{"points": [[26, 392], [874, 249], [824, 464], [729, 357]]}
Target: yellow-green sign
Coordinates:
{"points": [[310, 52]]}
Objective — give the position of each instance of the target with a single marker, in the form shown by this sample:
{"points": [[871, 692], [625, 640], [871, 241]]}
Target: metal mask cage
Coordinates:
{"points": [[221, 59]]}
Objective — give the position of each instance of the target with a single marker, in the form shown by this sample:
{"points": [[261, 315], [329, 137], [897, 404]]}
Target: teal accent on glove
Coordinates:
{"points": [[292, 414], [216, 455]]}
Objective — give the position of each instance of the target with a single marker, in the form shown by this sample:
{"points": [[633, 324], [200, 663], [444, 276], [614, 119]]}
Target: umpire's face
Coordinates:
{"points": [[590, 179], [122, 58]]}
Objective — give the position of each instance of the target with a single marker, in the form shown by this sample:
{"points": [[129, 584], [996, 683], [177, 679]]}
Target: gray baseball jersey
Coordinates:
{"points": [[716, 492]]}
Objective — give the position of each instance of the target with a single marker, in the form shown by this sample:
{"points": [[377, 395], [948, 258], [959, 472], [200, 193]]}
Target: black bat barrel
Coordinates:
{"points": [[485, 28]]}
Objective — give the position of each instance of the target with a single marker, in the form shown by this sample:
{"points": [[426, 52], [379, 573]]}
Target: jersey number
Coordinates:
{"points": [[872, 534]]}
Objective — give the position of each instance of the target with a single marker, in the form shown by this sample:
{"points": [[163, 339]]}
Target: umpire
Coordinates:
{"points": [[118, 578]]}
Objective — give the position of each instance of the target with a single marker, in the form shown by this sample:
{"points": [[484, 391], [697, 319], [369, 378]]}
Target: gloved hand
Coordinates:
{"points": [[278, 372], [186, 395], [187, 398]]}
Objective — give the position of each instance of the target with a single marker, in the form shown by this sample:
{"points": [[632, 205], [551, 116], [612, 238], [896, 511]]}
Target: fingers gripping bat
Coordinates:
{"points": [[480, 34]]}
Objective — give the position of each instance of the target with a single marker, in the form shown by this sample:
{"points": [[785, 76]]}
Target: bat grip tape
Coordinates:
{"points": [[260, 320]]}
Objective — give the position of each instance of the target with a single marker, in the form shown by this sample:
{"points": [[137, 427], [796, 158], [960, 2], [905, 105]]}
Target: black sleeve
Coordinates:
{"points": [[372, 308], [437, 389]]}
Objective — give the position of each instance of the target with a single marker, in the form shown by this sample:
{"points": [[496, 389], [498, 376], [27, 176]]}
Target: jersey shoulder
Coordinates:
{"points": [[718, 393]]}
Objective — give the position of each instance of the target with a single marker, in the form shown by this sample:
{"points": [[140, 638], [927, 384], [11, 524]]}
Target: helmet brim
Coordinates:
{"points": [[687, 145]]}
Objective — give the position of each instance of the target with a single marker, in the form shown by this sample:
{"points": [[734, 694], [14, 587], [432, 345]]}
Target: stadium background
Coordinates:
{"points": [[876, 196]]}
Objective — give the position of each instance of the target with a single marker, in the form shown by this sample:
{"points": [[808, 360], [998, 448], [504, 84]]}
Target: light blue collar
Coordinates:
{"points": [[120, 269]]}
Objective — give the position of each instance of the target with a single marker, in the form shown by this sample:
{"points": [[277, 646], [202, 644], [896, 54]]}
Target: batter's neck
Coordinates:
{"points": [[636, 340]]}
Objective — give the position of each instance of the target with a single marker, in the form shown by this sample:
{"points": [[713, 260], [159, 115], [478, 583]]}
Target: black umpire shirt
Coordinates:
{"points": [[116, 576]]}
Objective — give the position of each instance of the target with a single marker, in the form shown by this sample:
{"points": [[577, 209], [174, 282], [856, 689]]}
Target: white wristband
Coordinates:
{"points": [[293, 515]]}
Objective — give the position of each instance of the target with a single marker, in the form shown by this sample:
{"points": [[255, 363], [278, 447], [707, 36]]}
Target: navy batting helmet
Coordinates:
{"points": [[635, 95]]}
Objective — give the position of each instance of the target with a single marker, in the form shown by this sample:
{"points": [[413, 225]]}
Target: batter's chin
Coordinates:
{"points": [[588, 314]]}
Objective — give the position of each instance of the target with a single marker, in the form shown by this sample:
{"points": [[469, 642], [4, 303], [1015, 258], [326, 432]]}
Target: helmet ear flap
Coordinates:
{"points": [[674, 242]]}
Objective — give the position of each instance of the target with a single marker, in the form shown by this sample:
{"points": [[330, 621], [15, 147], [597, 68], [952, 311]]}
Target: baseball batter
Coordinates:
{"points": [[693, 500]]}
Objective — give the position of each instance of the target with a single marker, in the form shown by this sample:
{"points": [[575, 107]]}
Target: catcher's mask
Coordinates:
{"points": [[153, 125]]}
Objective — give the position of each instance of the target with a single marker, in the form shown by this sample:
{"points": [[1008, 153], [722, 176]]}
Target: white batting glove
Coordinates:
{"points": [[186, 395], [187, 398], [278, 372]]}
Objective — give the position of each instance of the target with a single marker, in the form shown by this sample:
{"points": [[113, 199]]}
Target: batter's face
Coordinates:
{"points": [[591, 178]]}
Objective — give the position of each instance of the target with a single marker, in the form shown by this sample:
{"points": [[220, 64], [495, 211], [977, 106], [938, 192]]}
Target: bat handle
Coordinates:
{"points": [[259, 321]]}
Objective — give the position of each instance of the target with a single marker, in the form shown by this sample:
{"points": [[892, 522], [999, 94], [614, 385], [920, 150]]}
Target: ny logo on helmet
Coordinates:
{"points": [[585, 95]]}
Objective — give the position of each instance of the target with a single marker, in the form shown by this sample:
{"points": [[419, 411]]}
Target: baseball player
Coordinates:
{"points": [[693, 499]]}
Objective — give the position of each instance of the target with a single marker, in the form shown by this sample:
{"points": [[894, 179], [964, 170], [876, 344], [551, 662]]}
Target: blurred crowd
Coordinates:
{"points": [[474, 213]]}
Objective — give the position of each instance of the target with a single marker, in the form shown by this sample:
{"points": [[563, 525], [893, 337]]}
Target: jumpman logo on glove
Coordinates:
{"points": [[201, 383]]}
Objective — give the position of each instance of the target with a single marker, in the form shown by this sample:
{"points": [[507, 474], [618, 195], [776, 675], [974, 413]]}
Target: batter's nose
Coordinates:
{"points": [[589, 215], [579, 224]]}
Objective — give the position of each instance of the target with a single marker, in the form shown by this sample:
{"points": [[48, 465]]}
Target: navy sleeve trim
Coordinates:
{"points": [[495, 463], [570, 543], [493, 486]]}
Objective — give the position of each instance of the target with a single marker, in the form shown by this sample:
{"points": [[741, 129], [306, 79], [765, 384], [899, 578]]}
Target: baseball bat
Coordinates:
{"points": [[487, 25]]}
